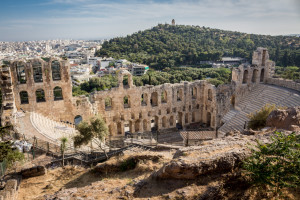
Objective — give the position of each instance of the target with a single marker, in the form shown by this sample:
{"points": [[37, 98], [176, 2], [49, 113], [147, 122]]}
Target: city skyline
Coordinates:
{"points": [[91, 19]]}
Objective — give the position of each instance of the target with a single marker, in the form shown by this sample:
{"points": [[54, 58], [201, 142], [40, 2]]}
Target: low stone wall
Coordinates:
{"points": [[10, 191], [284, 83]]}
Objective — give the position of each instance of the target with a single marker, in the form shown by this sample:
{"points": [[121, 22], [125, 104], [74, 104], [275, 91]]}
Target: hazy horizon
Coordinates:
{"points": [[94, 20]]}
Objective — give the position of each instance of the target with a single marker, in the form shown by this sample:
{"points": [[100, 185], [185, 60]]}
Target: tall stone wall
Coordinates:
{"points": [[284, 83]]}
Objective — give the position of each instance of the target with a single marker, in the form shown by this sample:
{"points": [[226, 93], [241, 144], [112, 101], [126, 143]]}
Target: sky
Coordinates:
{"points": [[23, 20]]}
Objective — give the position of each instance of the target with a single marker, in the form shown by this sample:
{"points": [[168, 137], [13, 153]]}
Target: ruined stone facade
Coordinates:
{"points": [[45, 87]]}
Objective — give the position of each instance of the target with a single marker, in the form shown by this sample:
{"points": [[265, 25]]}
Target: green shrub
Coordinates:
{"points": [[275, 165], [8, 154], [259, 118], [128, 164]]}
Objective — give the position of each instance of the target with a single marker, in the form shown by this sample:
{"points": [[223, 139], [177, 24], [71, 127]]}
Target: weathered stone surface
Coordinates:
{"points": [[34, 171], [288, 119]]}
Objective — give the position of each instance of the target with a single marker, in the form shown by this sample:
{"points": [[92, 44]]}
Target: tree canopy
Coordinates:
{"points": [[168, 46]]}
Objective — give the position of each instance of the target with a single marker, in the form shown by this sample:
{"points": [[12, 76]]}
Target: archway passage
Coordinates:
{"points": [[40, 95], [21, 75], [108, 103], [262, 75], [119, 128], [37, 72], [137, 126], [77, 119], [57, 91], [164, 122], [232, 101], [208, 119], [164, 97], [55, 67], [254, 76], [24, 97], [154, 99], [145, 125], [209, 95], [245, 76]]}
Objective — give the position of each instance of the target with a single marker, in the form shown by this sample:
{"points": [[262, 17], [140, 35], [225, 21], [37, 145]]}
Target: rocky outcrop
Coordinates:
{"points": [[214, 157], [34, 171], [288, 119]]}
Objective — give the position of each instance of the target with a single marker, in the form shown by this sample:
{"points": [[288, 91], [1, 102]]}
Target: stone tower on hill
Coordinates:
{"points": [[173, 22]]}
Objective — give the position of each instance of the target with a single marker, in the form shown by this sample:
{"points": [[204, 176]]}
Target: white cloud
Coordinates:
{"points": [[93, 19]]}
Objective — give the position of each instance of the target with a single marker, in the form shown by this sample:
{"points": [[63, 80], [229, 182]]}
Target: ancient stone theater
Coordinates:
{"points": [[38, 90]]}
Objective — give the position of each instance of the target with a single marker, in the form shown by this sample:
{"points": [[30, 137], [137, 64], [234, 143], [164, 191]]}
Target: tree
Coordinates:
{"points": [[259, 118], [8, 154], [94, 131], [63, 145], [276, 164]]}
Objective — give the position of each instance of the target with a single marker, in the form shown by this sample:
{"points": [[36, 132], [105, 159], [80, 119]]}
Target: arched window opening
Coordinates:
{"points": [[58, 93], [171, 120], [21, 73], [144, 99], [126, 101], [209, 95], [110, 129], [40, 95], [145, 125], [186, 118], [164, 122], [193, 116], [194, 93], [164, 97], [24, 97], [77, 119], [125, 81], [154, 99], [108, 103], [168, 110], [262, 75], [55, 67], [179, 95], [119, 128], [208, 119], [254, 76], [245, 77], [179, 120], [37, 72], [137, 126]]}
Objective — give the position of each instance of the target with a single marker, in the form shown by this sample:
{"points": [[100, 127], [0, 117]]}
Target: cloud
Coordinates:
{"points": [[90, 18]]}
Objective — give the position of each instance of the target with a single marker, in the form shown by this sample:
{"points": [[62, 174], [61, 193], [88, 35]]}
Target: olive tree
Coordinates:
{"points": [[95, 130]]}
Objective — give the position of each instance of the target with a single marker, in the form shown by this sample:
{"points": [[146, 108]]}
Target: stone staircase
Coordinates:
{"points": [[257, 98]]}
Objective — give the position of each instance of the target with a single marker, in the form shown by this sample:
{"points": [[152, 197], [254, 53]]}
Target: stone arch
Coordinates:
{"points": [[194, 93], [21, 73], [164, 97], [245, 76], [40, 95], [24, 97], [121, 75], [209, 95], [145, 125], [125, 81], [108, 103], [179, 122], [262, 75], [154, 99], [144, 99], [164, 122], [55, 68], [126, 101], [193, 116], [186, 118], [77, 119], [137, 126], [180, 94], [171, 121], [37, 72], [119, 128], [58, 95], [208, 119], [254, 75]]}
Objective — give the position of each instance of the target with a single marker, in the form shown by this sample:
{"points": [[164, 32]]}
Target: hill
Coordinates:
{"points": [[168, 46]]}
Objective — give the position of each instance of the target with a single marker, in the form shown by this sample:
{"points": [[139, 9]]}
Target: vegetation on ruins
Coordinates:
{"points": [[168, 46], [63, 146], [9, 154], [168, 75], [93, 131], [259, 118], [275, 165]]}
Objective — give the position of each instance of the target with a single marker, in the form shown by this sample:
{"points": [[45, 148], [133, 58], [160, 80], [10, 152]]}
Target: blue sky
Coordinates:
{"points": [[96, 19]]}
